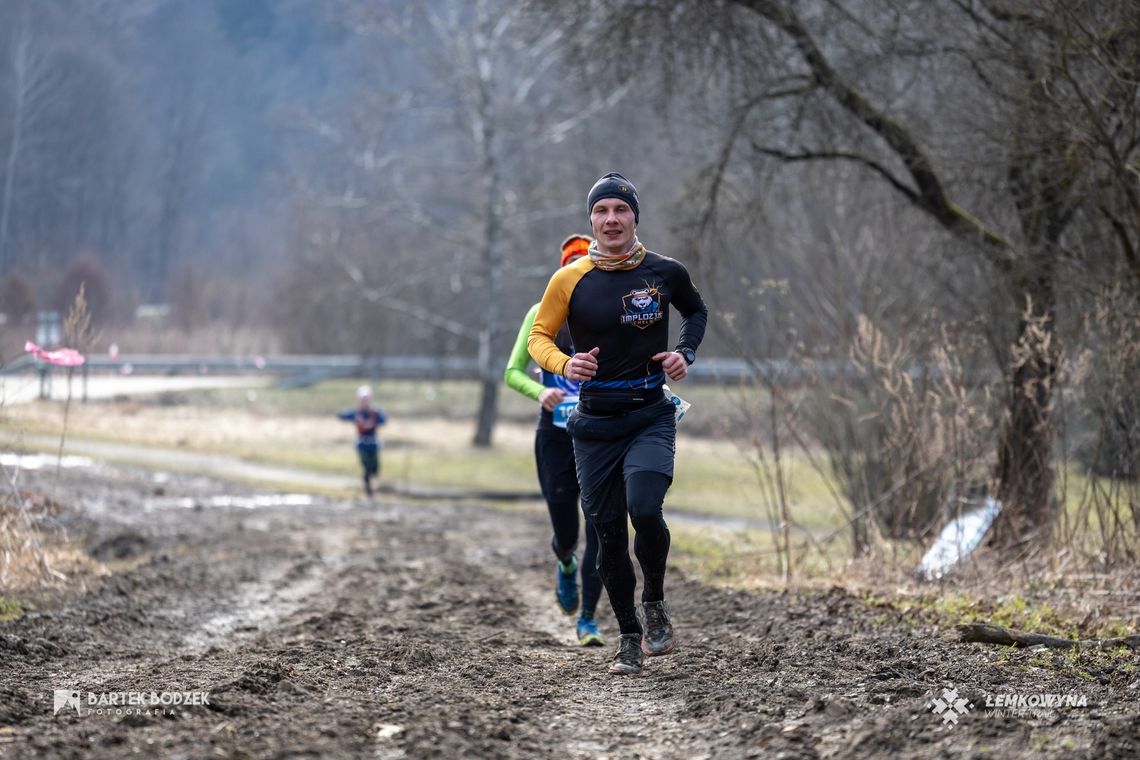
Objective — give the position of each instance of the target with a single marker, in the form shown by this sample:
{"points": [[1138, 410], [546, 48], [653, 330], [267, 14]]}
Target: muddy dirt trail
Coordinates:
{"points": [[343, 629]]}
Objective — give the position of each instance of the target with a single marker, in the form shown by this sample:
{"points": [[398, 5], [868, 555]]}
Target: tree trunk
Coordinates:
{"points": [[489, 395], [860, 544], [21, 73], [490, 364], [1025, 472]]}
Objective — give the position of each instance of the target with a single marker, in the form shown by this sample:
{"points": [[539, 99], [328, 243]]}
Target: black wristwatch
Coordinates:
{"points": [[689, 354]]}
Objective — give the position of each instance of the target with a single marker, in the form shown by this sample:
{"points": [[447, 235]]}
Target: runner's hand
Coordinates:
{"points": [[583, 366], [674, 365], [550, 398]]}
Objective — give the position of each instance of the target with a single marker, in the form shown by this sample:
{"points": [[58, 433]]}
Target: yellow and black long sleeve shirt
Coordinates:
{"points": [[624, 313]]}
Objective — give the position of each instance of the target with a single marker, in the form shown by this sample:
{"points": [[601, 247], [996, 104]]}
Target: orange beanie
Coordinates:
{"points": [[575, 245]]}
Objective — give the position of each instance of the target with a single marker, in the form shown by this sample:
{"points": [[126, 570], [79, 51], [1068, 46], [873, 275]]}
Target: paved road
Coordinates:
{"points": [[21, 389]]}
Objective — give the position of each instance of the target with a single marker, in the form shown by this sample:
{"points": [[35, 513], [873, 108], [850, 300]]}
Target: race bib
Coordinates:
{"points": [[680, 405], [563, 410]]}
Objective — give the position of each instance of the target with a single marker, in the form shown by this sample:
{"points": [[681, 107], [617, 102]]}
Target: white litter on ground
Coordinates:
{"points": [[960, 537]]}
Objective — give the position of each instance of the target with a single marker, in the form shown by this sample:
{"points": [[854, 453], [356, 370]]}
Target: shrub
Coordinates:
{"points": [[89, 272], [17, 298]]}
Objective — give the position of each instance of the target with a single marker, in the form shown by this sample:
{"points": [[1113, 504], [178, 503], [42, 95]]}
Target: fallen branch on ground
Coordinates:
{"points": [[981, 633]]}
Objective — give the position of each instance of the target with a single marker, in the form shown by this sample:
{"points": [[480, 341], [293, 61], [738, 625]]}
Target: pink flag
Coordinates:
{"points": [[64, 357]]}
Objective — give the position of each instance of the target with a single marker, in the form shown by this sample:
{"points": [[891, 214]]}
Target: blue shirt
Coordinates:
{"points": [[367, 422]]}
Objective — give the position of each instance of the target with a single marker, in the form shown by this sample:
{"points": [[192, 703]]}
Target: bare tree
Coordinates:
{"points": [[998, 121], [65, 141], [488, 104], [180, 159], [30, 88]]}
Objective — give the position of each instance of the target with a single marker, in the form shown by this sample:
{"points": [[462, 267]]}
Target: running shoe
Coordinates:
{"points": [[588, 633], [659, 638], [629, 660], [566, 588]]}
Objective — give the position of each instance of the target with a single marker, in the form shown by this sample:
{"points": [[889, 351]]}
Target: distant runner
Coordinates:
{"points": [[554, 456], [616, 305], [368, 420]]}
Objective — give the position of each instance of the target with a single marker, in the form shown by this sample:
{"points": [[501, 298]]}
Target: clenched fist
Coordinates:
{"points": [[674, 365], [583, 366], [550, 398]]}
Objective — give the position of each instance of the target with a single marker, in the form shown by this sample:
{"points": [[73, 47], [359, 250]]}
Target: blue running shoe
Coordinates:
{"points": [[566, 590], [588, 633]]}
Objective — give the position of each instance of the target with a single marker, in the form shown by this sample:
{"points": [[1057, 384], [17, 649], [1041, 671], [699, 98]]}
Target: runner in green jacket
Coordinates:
{"points": [[554, 457]]}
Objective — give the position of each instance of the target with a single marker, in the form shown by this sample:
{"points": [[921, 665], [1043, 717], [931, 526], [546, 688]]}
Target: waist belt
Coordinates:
{"points": [[618, 400]]}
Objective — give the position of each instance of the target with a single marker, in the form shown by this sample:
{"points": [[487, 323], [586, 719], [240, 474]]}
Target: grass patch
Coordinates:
{"points": [[744, 559], [948, 610], [10, 609], [450, 399], [426, 443], [1081, 663], [717, 478], [1017, 612], [480, 469], [740, 559]]}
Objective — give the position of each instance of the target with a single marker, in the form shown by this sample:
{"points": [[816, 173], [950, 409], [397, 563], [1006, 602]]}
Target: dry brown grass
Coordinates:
{"points": [[31, 556]]}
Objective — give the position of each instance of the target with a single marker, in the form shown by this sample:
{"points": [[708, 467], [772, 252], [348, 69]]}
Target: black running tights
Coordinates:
{"points": [[644, 494], [554, 454]]}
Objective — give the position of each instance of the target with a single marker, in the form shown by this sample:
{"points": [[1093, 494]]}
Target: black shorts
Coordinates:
{"points": [[369, 459], [609, 448]]}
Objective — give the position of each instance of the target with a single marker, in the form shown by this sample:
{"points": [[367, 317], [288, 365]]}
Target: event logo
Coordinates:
{"points": [[642, 307], [950, 706], [1031, 704]]}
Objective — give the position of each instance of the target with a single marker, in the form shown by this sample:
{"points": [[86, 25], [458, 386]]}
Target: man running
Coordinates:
{"points": [[615, 302], [368, 419], [554, 457]]}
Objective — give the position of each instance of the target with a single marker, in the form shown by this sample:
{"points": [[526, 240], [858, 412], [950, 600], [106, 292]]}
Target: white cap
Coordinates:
{"points": [[364, 391]]}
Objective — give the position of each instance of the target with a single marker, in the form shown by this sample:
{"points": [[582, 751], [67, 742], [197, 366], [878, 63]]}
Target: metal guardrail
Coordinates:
{"points": [[417, 367], [299, 370]]}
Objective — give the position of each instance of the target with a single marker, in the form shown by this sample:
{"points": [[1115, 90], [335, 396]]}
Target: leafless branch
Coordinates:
{"points": [[930, 195], [389, 300], [982, 633], [834, 155], [968, 7]]}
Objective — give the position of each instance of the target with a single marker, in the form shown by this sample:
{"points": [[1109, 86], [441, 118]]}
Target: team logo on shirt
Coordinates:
{"points": [[642, 307]]}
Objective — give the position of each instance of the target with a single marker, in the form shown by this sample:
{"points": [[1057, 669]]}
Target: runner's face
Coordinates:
{"points": [[614, 228]]}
